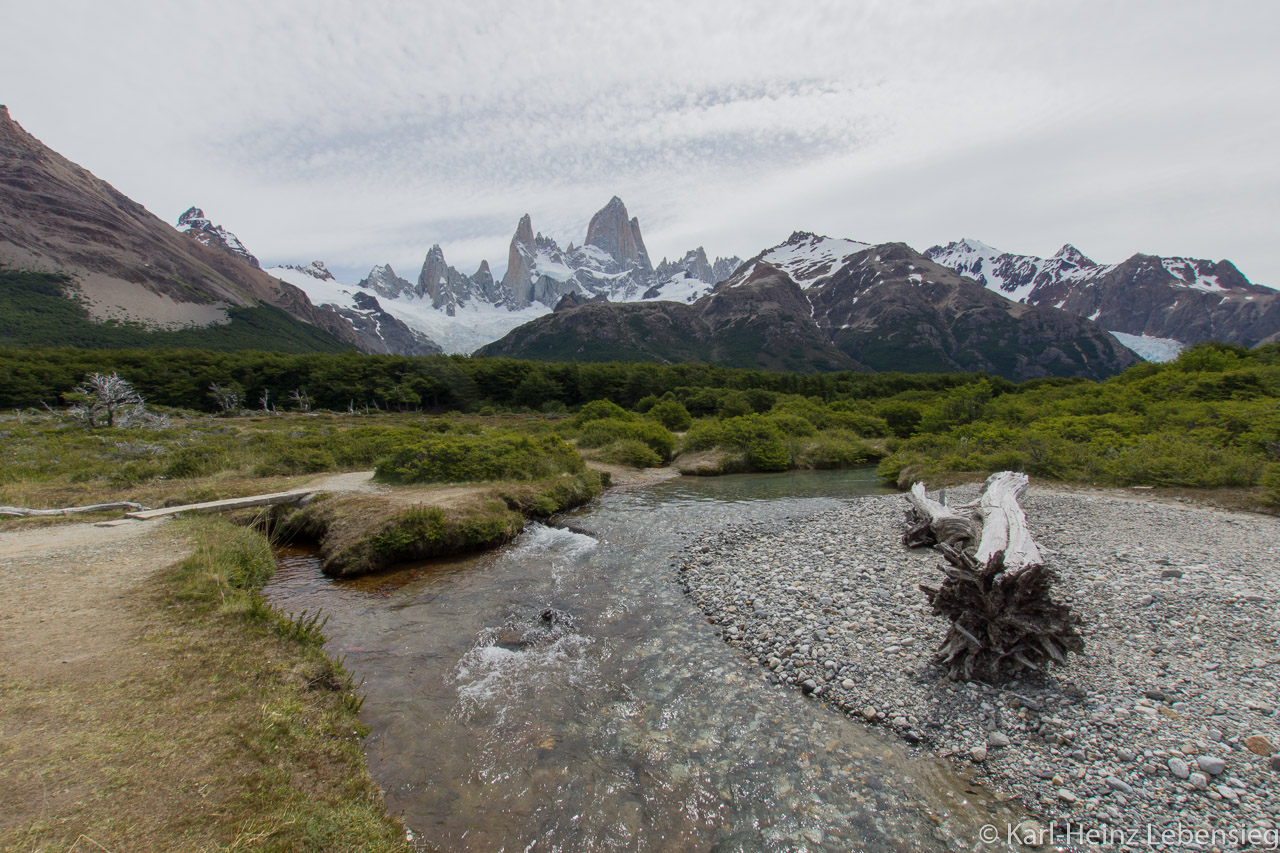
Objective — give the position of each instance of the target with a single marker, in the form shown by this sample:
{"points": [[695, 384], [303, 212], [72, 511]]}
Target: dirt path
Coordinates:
{"points": [[66, 594], [72, 612]]}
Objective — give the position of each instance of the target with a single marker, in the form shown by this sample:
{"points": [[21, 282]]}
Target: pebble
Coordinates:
{"points": [[1119, 785], [1259, 745], [1211, 764], [1138, 707]]}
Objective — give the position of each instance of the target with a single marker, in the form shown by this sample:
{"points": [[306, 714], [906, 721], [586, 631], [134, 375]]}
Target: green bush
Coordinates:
{"points": [[631, 452], [832, 449], [671, 414], [793, 425], [494, 455], [704, 434], [601, 410], [1271, 484], [761, 440], [599, 433]]}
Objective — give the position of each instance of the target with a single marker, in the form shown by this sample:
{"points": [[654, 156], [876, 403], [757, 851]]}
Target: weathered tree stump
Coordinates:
{"points": [[930, 523], [996, 595]]}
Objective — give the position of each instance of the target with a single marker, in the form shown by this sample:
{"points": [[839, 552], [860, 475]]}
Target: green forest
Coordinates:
{"points": [[1210, 419]]}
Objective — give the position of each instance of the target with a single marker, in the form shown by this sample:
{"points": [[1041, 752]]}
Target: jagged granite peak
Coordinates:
{"points": [[694, 264], [487, 288], [194, 223], [518, 278], [445, 286], [382, 280], [1173, 300], [618, 235], [315, 269]]}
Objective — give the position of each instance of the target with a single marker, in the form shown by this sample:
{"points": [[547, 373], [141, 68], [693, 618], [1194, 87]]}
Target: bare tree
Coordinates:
{"points": [[227, 397], [106, 396], [300, 399]]}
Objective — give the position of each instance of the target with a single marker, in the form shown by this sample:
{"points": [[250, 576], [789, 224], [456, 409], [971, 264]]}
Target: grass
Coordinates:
{"points": [[360, 534], [228, 728]]}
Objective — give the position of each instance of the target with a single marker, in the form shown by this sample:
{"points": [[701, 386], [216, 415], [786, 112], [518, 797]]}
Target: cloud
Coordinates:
{"points": [[363, 133]]}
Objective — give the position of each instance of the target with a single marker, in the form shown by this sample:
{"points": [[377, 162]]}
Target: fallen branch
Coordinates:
{"points": [[23, 512], [930, 523], [996, 596]]}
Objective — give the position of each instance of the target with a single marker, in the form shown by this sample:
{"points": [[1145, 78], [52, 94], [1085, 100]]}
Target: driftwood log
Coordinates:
{"points": [[23, 512], [996, 590]]}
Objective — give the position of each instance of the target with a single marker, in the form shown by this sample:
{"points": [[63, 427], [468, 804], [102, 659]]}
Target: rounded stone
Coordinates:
{"points": [[1211, 764], [1199, 781], [978, 754], [1179, 768]]}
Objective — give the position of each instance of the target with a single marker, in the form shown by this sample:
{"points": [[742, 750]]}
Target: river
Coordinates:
{"points": [[562, 694]]}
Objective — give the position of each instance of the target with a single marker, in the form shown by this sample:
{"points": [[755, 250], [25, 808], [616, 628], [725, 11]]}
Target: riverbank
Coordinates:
{"points": [[1158, 725], [149, 702]]}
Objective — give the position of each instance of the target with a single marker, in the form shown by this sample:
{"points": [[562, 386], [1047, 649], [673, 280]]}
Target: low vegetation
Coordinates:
{"points": [[227, 728], [1209, 420]]}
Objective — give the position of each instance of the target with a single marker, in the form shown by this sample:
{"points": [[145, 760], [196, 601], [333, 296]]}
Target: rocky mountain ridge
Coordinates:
{"points": [[121, 261], [1181, 300], [816, 303]]}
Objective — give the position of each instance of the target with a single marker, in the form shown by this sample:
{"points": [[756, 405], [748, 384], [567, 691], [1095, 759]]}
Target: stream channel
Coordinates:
{"points": [[563, 694]]}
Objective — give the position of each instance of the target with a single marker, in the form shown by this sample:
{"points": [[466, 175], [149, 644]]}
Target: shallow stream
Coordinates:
{"points": [[562, 694]]}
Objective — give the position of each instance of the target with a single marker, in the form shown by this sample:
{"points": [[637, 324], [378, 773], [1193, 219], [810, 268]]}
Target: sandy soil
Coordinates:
{"points": [[67, 595]]}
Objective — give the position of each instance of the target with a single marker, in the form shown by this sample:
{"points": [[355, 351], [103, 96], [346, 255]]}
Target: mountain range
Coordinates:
{"points": [[809, 303], [815, 302], [462, 312]]}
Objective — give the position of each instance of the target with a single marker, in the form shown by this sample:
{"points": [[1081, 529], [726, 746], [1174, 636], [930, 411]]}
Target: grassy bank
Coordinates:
{"points": [[360, 534], [225, 726]]}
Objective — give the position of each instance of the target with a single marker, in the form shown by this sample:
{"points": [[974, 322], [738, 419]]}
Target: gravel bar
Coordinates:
{"points": [[1162, 736]]}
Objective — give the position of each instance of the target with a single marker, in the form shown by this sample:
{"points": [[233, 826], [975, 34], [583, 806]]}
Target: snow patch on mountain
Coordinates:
{"points": [[1151, 348], [197, 225]]}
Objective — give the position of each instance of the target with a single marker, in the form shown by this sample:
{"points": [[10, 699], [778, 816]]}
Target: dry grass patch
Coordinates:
{"points": [[207, 723]]}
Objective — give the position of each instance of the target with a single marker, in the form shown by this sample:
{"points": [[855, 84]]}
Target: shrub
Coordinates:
{"points": [[631, 452], [760, 439], [671, 414], [833, 449], [607, 431], [494, 455], [789, 424], [601, 410], [704, 435], [196, 461], [295, 459]]}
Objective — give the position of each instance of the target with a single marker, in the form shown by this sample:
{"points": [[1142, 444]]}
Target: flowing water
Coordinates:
{"points": [[562, 694]]}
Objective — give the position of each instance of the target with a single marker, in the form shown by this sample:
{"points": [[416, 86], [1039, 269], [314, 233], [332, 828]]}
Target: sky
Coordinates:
{"points": [[363, 133]]}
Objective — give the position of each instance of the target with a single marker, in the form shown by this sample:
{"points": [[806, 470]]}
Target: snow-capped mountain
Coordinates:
{"points": [[1154, 305], [463, 312], [378, 330], [817, 303], [194, 223]]}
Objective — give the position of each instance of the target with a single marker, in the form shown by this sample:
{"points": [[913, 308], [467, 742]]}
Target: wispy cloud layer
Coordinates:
{"points": [[362, 133]]}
